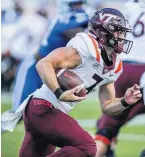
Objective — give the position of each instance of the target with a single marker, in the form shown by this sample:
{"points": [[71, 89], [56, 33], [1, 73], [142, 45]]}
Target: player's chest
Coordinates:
{"points": [[95, 74]]}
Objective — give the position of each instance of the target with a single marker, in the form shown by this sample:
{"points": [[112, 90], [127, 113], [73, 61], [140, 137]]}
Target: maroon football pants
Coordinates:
{"points": [[131, 75], [46, 126]]}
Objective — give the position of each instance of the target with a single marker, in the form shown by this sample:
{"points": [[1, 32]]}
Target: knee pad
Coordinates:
{"points": [[104, 135]]}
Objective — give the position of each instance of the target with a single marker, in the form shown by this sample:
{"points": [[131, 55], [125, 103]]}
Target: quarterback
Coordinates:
{"points": [[94, 57]]}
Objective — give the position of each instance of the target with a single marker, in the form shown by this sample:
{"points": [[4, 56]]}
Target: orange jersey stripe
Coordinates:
{"points": [[96, 48], [119, 67]]}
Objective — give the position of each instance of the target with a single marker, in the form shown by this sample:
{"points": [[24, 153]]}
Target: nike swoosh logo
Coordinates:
{"points": [[65, 74]]}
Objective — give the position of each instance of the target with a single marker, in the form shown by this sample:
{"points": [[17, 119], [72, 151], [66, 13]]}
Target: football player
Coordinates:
{"points": [[94, 57], [71, 20], [134, 67]]}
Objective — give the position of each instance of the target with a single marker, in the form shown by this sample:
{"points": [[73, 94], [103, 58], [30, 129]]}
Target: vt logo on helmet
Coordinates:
{"points": [[110, 28]]}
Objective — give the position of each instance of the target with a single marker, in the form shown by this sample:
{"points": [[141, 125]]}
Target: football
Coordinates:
{"points": [[68, 79]]}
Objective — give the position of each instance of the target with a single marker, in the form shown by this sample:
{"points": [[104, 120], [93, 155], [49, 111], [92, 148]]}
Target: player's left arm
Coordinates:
{"points": [[112, 105]]}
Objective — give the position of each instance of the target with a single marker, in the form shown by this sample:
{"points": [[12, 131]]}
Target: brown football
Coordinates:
{"points": [[68, 79]]}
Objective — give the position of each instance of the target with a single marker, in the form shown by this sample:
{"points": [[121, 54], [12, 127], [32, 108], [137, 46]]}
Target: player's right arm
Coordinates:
{"points": [[65, 57], [112, 105]]}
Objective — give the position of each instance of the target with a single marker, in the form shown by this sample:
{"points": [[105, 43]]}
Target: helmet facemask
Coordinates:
{"points": [[116, 37]]}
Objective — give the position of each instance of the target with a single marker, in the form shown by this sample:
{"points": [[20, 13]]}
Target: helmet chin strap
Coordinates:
{"points": [[109, 51], [107, 60]]}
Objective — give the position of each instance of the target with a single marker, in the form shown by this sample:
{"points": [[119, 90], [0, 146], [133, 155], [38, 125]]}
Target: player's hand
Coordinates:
{"points": [[132, 94], [70, 96]]}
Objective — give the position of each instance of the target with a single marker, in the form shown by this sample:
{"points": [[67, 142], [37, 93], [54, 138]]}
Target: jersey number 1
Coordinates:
{"points": [[98, 80]]}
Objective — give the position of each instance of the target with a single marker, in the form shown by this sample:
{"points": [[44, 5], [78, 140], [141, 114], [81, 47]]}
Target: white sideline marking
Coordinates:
{"points": [[131, 137], [138, 120]]}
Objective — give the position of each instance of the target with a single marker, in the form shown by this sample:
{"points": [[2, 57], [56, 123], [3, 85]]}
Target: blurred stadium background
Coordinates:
{"points": [[17, 17]]}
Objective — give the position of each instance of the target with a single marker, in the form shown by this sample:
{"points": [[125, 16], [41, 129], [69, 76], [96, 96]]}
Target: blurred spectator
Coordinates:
{"points": [[29, 30], [10, 12], [8, 70], [23, 26]]}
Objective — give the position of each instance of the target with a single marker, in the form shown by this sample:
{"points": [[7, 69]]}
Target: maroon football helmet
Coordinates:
{"points": [[105, 24]]}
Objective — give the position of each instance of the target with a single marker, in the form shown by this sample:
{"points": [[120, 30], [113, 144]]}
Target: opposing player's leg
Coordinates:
{"points": [[108, 128], [42, 120], [27, 81]]}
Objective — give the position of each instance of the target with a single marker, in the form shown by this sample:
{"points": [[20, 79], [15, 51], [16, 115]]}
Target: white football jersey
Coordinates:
{"points": [[135, 13], [92, 70]]}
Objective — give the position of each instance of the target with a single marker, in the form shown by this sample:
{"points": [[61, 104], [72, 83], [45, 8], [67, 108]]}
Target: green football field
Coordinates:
{"points": [[131, 139]]}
